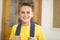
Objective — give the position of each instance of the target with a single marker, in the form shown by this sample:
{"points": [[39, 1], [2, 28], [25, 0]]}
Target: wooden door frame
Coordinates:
{"points": [[37, 11], [5, 13]]}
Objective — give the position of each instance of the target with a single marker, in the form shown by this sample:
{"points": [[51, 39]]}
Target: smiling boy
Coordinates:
{"points": [[25, 32]]}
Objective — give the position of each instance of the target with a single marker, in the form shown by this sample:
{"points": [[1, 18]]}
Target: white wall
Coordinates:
{"points": [[47, 15], [47, 20], [0, 17]]}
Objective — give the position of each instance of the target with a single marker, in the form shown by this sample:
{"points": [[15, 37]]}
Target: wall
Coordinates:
{"points": [[47, 17], [0, 17], [47, 20]]}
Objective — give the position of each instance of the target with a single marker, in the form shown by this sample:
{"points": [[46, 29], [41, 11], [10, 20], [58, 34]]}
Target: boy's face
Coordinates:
{"points": [[25, 13]]}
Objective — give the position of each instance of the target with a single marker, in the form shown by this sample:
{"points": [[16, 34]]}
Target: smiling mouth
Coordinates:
{"points": [[25, 18]]}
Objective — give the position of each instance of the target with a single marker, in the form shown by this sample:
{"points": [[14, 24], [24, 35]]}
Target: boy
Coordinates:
{"points": [[24, 28]]}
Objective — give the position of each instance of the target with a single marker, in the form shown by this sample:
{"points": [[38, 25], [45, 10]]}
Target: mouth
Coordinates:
{"points": [[25, 18]]}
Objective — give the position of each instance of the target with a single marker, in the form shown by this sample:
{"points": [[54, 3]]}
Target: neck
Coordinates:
{"points": [[25, 23]]}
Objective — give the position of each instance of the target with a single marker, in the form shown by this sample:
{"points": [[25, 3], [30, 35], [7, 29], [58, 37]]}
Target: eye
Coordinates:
{"points": [[22, 12], [28, 12]]}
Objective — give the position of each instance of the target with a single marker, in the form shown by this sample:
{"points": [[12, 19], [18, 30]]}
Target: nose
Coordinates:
{"points": [[25, 14]]}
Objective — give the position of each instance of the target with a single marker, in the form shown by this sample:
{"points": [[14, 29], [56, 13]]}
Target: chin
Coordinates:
{"points": [[26, 21]]}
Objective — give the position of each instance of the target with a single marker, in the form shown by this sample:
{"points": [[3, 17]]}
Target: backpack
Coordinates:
{"points": [[32, 29]]}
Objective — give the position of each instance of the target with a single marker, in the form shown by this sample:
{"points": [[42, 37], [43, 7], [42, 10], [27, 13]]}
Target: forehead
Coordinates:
{"points": [[25, 8]]}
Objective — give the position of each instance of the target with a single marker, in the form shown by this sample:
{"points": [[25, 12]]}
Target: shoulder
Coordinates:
{"points": [[15, 26], [37, 26]]}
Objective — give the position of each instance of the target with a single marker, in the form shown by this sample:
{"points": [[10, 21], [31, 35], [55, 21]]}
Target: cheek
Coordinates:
{"points": [[30, 16], [21, 15]]}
